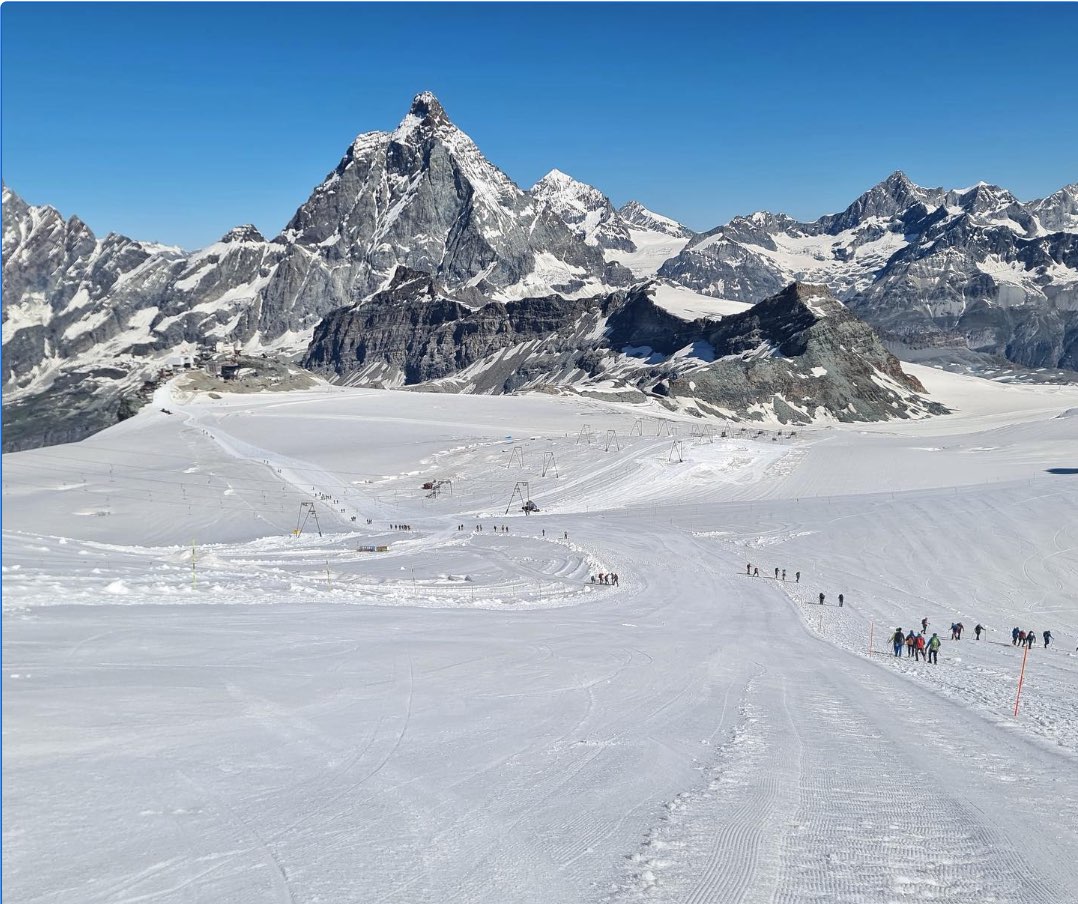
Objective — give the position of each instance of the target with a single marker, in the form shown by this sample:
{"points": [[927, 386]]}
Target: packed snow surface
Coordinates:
{"points": [[209, 694]]}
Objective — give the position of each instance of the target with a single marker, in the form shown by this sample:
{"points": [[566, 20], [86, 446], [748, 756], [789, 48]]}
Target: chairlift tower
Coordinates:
{"points": [[677, 449], [584, 434], [307, 511], [612, 437], [521, 491], [638, 428], [438, 487], [550, 463], [518, 456]]}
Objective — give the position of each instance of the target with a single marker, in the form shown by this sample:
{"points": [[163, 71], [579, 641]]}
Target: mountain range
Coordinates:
{"points": [[419, 212]]}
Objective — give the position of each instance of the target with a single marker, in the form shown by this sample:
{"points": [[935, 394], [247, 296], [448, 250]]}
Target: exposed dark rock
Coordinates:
{"points": [[801, 347]]}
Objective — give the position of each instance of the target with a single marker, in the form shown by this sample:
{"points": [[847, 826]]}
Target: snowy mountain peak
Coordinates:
{"points": [[245, 233], [985, 198], [899, 181], [426, 197], [557, 179], [584, 209], [637, 216], [1059, 211], [425, 104], [425, 113], [884, 200]]}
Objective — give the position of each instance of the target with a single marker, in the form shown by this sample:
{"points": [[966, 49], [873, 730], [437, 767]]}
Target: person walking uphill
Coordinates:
{"points": [[919, 648], [977, 629], [911, 642], [1047, 638], [1014, 637], [899, 640], [933, 645], [821, 599]]}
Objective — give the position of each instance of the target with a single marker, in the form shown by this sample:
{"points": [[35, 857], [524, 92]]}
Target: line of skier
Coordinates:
{"points": [[610, 580], [753, 571]]}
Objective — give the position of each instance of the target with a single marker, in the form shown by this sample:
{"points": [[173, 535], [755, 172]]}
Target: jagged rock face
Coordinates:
{"points": [[586, 210], [799, 356], [636, 216], [425, 197], [1059, 211], [87, 320], [415, 332], [974, 266], [815, 358]]}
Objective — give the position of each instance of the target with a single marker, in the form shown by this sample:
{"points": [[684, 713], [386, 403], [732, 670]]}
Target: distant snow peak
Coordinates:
{"points": [[584, 209], [245, 233], [637, 216], [556, 179]]}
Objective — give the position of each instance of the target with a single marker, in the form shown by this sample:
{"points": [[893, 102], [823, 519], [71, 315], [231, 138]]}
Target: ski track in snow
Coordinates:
{"points": [[467, 718]]}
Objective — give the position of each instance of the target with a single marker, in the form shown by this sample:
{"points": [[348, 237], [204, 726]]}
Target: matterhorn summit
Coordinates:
{"points": [[425, 197]]}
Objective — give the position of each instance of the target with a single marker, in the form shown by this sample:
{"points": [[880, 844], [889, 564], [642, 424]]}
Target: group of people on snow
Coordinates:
{"points": [[1021, 638], [917, 645], [400, 527], [754, 571], [610, 580]]}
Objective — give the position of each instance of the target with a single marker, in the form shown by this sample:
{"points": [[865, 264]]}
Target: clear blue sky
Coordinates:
{"points": [[174, 122]]}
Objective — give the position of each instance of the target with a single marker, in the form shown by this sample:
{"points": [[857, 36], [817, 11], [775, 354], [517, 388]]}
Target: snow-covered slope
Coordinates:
{"points": [[201, 705]]}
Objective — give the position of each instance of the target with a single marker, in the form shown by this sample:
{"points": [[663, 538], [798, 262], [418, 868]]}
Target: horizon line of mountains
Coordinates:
{"points": [[974, 271]]}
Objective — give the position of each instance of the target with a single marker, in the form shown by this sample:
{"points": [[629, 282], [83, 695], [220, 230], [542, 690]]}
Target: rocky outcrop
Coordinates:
{"points": [[415, 332], [799, 356]]}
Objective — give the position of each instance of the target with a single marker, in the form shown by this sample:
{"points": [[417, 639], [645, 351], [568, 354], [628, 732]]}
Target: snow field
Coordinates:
{"points": [[465, 718]]}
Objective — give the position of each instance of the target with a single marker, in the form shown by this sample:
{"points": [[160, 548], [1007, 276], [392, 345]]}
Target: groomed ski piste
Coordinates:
{"points": [[212, 693]]}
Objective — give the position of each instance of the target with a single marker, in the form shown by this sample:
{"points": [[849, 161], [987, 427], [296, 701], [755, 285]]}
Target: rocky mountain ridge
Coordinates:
{"points": [[972, 267], [797, 357], [86, 319]]}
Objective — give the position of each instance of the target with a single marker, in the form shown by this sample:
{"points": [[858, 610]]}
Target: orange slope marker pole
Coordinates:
{"points": [[1021, 678]]}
